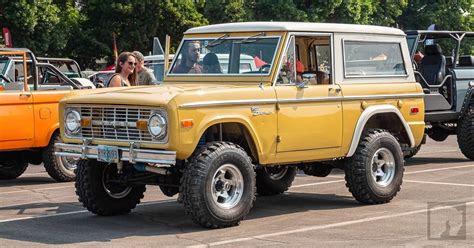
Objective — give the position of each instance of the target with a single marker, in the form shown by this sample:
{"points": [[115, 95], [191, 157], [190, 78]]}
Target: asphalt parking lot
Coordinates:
{"points": [[434, 208]]}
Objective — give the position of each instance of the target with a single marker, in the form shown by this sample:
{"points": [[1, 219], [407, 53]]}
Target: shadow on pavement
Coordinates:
{"points": [[161, 218], [27, 180]]}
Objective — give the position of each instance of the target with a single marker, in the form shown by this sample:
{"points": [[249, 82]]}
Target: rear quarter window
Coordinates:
{"points": [[373, 59]]}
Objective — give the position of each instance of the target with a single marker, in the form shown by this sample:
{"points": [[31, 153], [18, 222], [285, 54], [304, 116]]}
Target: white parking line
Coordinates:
{"points": [[440, 183], [440, 169], [76, 212], [320, 227], [26, 190], [446, 151]]}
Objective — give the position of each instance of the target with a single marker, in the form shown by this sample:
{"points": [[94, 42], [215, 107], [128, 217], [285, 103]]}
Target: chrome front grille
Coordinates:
{"points": [[115, 123]]}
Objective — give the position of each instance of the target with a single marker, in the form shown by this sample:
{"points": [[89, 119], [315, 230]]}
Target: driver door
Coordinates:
{"points": [[16, 111], [310, 114]]}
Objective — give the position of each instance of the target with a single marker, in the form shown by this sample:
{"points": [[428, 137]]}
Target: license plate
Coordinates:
{"points": [[109, 154]]}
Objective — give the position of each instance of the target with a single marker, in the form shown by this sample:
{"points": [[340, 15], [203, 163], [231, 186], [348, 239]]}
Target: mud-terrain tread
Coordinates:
{"points": [[267, 186], [356, 172], [50, 164], [94, 201], [195, 171], [465, 134]]}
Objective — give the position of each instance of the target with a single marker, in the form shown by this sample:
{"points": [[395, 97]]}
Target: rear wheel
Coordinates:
{"points": [[60, 168], [100, 190], [275, 180], [465, 134], [12, 165], [218, 185], [374, 173]]}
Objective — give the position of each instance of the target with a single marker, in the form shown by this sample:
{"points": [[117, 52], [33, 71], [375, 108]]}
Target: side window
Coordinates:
{"points": [[287, 73], [362, 58]]}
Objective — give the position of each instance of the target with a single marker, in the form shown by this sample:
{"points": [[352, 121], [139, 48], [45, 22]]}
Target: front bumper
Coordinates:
{"points": [[131, 154]]}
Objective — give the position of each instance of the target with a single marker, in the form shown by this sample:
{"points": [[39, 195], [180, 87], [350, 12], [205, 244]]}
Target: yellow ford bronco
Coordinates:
{"points": [[243, 107]]}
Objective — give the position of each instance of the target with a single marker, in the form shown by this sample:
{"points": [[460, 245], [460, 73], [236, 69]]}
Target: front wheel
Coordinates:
{"points": [[11, 166], [218, 185], [374, 173], [60, 168], [100, 191], [275, 180]]}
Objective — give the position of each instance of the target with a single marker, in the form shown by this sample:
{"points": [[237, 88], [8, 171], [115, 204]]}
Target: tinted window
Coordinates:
{"points": [[373, 59]]}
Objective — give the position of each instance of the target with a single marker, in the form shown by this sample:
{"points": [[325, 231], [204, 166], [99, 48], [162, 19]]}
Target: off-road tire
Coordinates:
{"points": [[92, 194], [169, 191], [269, 183], [465, 134], [358, 168], [437, 134], [199, 181], [12, 166], [54, 165]]}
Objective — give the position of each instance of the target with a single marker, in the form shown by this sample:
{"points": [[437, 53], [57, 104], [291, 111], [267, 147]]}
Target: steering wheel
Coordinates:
{"points": [[265, 68], [5, 78]]}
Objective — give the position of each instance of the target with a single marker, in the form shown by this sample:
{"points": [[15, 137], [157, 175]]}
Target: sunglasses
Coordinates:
{"points": [[131, 63]]}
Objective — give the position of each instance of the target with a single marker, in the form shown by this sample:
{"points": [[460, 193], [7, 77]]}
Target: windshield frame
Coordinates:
{"points": [[211, 37]]}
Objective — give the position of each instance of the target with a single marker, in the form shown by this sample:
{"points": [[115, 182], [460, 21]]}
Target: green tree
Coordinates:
{"points": [[135, 23], [223, 11], [40, 25]]}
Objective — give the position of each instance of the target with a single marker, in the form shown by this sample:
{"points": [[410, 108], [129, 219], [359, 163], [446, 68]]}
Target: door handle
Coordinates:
{"points": [[334, 90], [25, 95]]}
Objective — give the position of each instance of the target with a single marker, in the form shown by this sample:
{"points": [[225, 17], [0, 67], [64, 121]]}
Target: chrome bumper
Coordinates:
{"points": [[130, 154]]}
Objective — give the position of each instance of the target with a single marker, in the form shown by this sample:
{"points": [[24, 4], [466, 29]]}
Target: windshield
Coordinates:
{"points": [[5, 71], [233, 56]]}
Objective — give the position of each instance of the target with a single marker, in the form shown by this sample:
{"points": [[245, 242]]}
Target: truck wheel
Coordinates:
{"points": [[99, 190], [465, 134], [59, 168], [275, 180], [12, 167], [374, 173], [218, 185]]}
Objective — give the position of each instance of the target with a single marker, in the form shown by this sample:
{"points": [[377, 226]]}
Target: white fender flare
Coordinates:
{"points": [[365, 116]]}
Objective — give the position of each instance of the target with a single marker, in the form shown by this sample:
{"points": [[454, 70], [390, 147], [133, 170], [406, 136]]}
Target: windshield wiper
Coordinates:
{"points": [[253, 38], [217, 41]]}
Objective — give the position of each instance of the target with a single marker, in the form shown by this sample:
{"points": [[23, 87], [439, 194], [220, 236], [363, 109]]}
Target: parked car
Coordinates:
{"points": [[29, 96], [219, 137], [68, 67], [446, 74]]}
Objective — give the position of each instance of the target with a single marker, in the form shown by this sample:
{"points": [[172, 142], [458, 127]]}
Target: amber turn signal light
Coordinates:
{"points": [[142, 125], [187, 123], [86, 122]]}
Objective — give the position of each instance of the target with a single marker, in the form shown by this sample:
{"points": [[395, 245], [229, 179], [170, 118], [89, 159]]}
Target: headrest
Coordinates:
{"points": [[449, 60], [433, 49], [466, 60]]}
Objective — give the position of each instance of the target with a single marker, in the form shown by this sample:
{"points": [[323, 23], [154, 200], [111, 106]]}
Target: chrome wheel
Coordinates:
{"points": [[383, 167], [69, 163], [276, 172], [227, 186], [111, 184]]}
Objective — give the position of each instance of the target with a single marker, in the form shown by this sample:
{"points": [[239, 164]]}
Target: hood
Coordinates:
{"points": [[142, 95]]}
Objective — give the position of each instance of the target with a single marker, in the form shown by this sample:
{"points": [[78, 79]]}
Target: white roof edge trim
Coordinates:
{"points": [[294, 27]]}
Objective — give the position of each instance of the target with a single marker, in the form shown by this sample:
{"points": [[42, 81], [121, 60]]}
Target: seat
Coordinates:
{"points": [[433, 65]]}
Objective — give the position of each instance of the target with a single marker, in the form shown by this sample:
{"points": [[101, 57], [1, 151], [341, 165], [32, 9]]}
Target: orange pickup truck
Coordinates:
{"points": [[29, 124]]}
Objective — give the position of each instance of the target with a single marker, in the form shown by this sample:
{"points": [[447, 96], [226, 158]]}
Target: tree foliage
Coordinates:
{"points": [[82, 29]]}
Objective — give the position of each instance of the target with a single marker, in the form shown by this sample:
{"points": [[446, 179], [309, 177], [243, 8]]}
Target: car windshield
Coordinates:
{"points": [[5, 71], [232, 56]]}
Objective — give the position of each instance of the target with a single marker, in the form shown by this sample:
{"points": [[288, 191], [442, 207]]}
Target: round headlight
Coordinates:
{"points": [[72, 122], [157, 126]]}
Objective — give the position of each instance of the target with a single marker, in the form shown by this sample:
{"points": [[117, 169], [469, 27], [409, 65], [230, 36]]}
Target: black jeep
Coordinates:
{"points": [[444, 66]]}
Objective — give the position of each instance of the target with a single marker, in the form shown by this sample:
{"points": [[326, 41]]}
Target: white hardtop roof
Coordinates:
{"points": [[294, 27]]}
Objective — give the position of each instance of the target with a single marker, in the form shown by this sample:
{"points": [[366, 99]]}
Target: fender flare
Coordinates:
{"points": [[367, 114]]}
